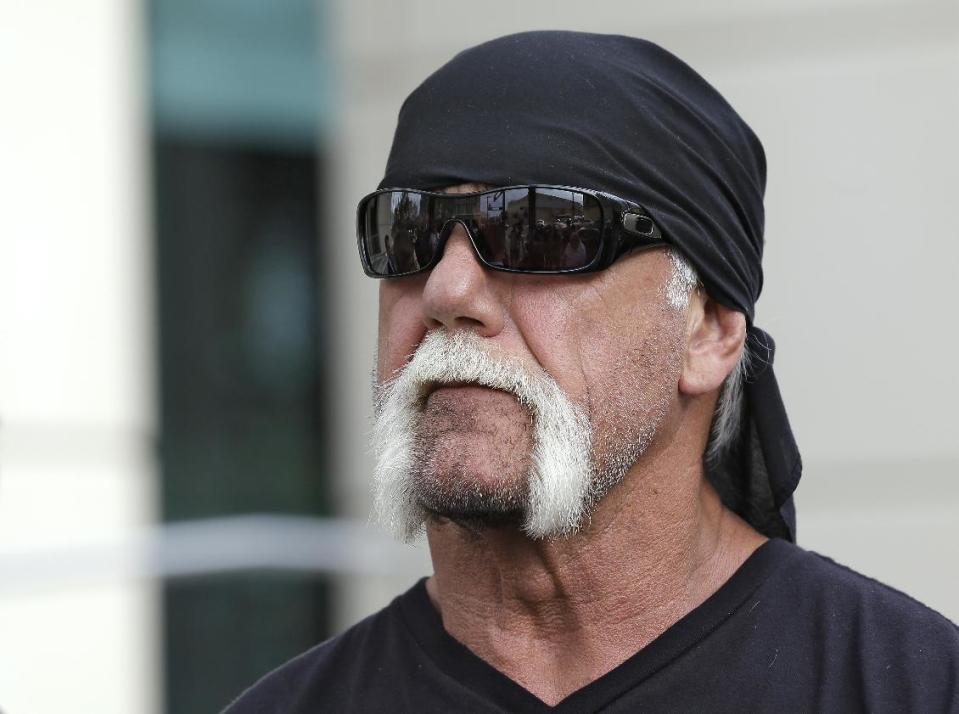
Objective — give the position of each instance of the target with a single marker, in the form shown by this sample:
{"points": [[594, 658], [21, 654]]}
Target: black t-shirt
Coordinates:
{"points": [[790, 631]]}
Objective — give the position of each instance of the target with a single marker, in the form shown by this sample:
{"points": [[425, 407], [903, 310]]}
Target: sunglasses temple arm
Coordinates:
{"points": [[638, 229]]}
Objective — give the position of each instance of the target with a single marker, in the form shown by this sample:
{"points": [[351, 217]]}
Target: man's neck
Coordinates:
{"points": [[554, 615]]}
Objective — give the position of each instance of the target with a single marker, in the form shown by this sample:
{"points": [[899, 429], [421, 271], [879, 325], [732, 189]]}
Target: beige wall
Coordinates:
{"points": [[857, 105]]}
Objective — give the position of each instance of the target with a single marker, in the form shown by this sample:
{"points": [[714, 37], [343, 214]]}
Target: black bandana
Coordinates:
{"points": [[622, 115]]}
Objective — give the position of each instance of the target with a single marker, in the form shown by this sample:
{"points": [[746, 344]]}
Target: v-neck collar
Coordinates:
{"points": [[474, 673]]}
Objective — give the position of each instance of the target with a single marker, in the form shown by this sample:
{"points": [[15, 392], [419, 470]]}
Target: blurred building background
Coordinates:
{"points": [[186, 335]]}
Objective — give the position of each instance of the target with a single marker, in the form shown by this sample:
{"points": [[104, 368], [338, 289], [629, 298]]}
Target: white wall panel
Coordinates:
{"points": [[76, 407]]}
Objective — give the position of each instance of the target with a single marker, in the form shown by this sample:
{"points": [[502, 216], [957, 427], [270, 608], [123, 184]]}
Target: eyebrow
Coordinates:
{"points": [[466, 187]]}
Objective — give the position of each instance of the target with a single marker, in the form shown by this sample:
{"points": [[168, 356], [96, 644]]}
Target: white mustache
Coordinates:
{"points": [[560, 475]]}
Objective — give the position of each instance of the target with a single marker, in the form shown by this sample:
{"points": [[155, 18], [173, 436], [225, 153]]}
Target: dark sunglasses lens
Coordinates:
{"points": [[395, 232], [501, 224], [541, 229]]}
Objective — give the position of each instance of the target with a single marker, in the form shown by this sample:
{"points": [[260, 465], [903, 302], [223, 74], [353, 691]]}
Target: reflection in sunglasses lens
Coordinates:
{"points": [[540, 229], [550, 229], [396, 232]]}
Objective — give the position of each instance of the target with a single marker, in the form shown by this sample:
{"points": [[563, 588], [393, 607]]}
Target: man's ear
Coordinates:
{"points": [[715, 337]]}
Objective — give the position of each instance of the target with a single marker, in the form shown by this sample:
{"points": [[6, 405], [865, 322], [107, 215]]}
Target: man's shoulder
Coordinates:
{"points": [[820, 583], [843, 631], [331, 667]]}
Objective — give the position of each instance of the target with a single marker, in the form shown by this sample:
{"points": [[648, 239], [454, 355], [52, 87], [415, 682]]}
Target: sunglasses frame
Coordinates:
{"points": [[629, 227]]}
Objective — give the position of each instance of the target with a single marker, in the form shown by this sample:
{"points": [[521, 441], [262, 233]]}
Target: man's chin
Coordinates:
{"points": [[473, 501], [475, 522]]}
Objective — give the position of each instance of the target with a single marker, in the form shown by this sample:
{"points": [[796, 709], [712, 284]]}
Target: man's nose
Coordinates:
{"points": [[460, 293]]}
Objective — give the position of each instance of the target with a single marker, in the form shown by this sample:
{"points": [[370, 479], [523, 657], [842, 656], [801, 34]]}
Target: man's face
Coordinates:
{"points": [[610, 341]]}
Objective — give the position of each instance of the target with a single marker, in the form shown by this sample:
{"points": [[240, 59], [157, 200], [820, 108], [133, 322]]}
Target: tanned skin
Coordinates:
{"points": [[556, 614]]}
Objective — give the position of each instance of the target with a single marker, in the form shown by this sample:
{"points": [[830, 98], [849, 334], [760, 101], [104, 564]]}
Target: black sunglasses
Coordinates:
{"points": [[519, 229]]}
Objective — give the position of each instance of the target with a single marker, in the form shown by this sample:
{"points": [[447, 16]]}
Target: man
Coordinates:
{"points": [[594, 441]]}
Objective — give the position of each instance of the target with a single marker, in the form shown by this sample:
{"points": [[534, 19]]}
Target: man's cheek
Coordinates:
{"points": [[552, 339], [398, 343]]}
